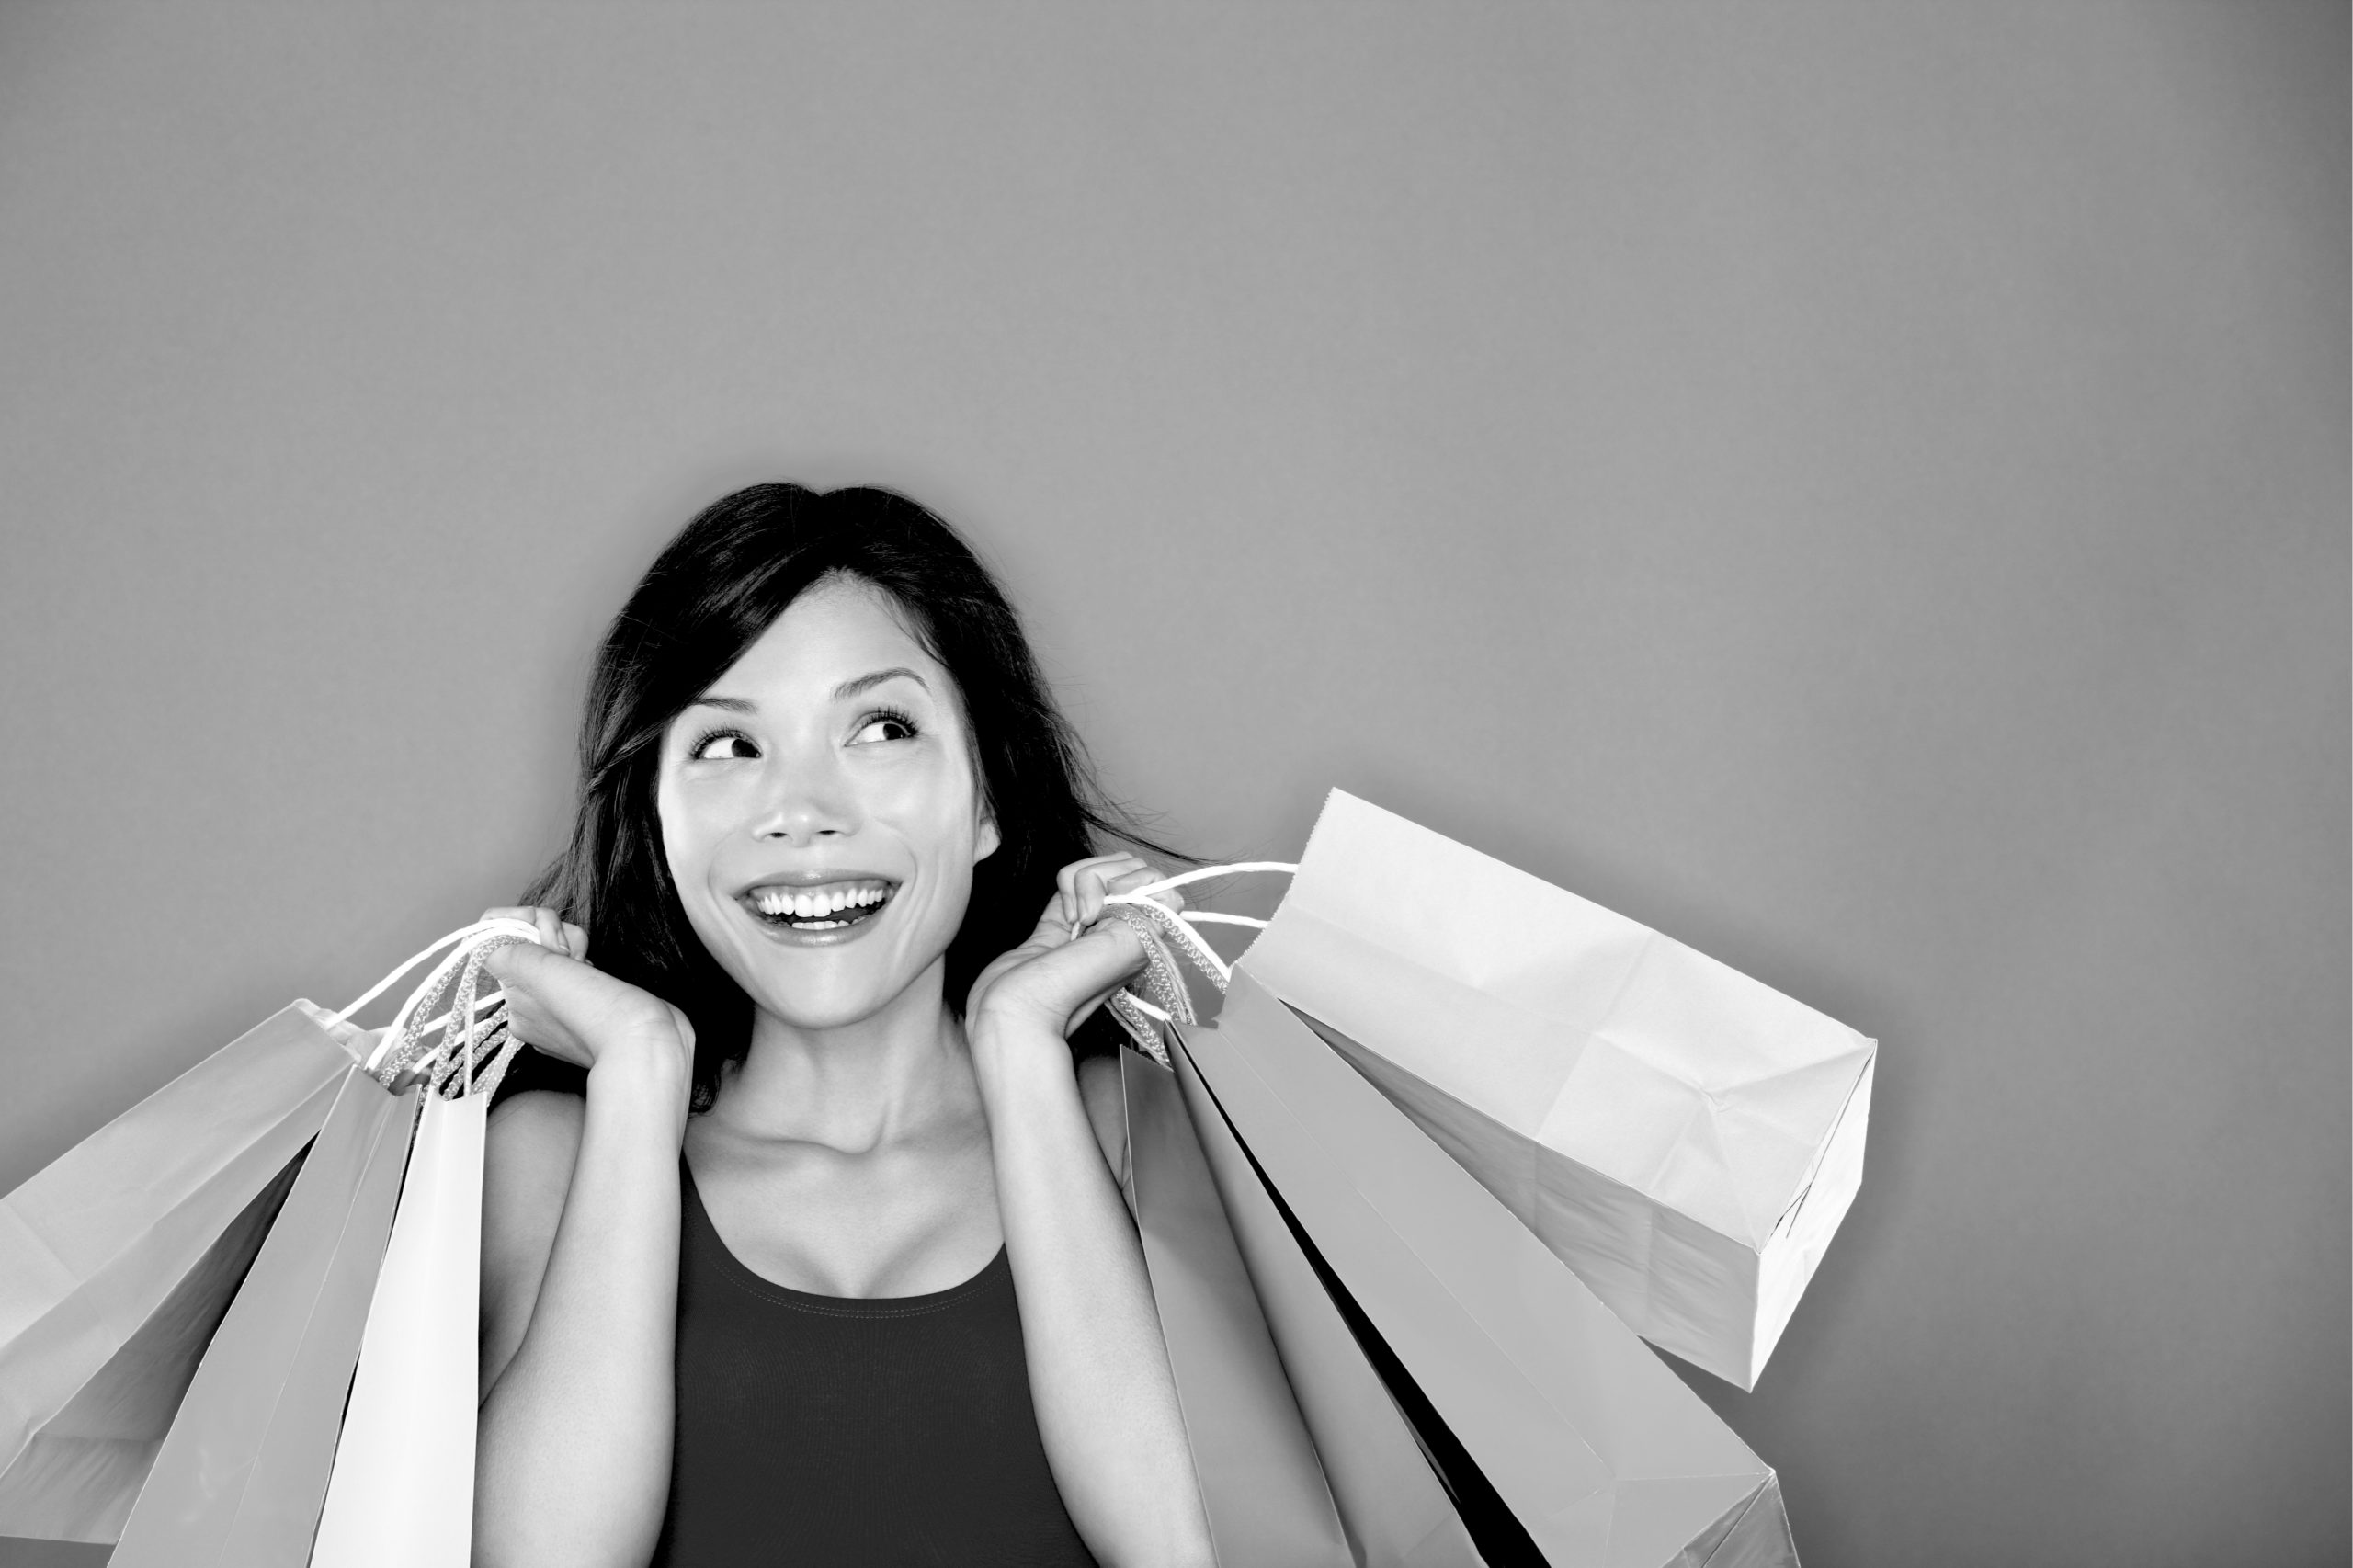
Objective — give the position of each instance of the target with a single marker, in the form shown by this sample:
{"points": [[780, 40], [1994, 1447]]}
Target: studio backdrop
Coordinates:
{"points": [[1861, 490]]}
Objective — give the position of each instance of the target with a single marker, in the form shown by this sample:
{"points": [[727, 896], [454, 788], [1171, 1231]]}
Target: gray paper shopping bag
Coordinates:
{"points": [[118, 1258], [1685, 1138], [1394, 1510], [1529, 1387], [1262, 1484], [243, 1471]]}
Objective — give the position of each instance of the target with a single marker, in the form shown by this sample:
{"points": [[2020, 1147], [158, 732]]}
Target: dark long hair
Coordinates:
{"points": [[707, 599]]}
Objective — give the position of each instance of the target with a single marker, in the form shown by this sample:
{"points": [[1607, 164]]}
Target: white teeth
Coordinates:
{"points": [[817, 904]]}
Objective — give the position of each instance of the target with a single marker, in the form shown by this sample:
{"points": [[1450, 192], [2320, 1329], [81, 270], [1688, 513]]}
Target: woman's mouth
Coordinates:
{"points": [[819, 906]]}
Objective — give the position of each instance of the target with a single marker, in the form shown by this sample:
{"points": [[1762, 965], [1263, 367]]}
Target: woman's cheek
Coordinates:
{"points": [[690, 840]]}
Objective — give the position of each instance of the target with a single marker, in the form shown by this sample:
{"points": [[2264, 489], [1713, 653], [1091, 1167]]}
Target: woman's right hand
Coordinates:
{"points": [[560, 1005]]}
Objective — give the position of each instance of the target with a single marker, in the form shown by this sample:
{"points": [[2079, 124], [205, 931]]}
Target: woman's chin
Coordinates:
{"points": [[816, 996]]}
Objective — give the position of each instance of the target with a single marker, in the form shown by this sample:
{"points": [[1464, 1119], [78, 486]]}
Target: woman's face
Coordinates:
{"points": [[819, 812]]}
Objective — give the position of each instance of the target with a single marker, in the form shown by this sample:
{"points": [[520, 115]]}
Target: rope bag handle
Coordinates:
{"points": [[1166, 933], [472, 1026]]}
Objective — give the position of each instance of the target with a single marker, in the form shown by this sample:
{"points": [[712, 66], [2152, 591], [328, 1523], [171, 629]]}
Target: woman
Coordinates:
{"points": [[751, 1296]]}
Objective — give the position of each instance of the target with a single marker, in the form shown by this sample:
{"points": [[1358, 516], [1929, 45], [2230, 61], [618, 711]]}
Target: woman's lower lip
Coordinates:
{"points": [[796, 936]]}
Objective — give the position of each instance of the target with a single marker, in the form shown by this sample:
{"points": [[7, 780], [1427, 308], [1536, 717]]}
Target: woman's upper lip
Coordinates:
{"points": [[815, 878]]}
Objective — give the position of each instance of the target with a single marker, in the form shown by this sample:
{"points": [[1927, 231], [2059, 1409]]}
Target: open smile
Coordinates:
{"points": [[818, 908]]}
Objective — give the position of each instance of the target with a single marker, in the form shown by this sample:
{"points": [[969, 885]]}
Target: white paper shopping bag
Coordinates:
{"points": [[402, 1492], [1685, 1138]]}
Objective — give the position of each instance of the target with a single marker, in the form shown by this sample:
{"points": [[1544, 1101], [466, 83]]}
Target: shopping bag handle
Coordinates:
{"points": [[1165, 1000], [472, 1024], [1179, 926]]}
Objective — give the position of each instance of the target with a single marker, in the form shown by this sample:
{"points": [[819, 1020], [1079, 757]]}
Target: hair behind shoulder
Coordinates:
{"points": [[709, 596]]}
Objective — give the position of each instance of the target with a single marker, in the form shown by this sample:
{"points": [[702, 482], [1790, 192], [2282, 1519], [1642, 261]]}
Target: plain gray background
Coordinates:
{"points": [[1860, 488]]}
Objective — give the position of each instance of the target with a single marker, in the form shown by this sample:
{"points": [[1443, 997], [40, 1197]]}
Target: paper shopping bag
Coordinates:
{"points": [[1525, 1387], [82, 1470], [1261, 1484], [403, 1491], [118, 1258], [243, 1471], [1685, 1138], [1393, 1510]]}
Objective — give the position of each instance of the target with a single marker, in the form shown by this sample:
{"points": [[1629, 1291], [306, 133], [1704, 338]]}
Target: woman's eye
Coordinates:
{"points": [[884, 727], [725, 746]]}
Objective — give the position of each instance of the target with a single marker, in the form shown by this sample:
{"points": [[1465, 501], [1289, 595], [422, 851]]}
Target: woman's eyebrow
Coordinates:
{"points": [[850, 688], [842, 693]]}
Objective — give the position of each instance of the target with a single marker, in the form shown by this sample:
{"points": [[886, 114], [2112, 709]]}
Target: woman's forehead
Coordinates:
{"points": [[838, 631]]}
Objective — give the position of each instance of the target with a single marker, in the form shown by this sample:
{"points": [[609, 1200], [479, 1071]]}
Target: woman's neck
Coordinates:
{"points": [[857, 1087]]}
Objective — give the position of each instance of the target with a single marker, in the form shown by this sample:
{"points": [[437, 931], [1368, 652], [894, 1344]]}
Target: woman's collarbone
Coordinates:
{"points": [[873, 1223]]}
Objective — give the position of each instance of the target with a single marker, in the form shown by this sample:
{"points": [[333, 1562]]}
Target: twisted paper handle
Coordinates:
{"points": [[1164, 999], [472, 1026]]}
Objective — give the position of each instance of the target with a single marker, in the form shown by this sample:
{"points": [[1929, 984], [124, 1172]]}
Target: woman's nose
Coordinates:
{"points": [[810, 800]]}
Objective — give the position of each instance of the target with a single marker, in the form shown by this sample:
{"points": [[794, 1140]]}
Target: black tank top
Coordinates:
{"points": [[818, 1430]]}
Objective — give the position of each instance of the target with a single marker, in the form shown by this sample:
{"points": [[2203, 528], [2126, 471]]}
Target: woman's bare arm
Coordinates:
{"points": [[580, 1282], [1098, 1367]]}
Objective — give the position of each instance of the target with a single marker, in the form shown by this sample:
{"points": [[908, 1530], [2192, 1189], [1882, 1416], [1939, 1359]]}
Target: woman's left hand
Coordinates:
{"points": [[1074, 959]]}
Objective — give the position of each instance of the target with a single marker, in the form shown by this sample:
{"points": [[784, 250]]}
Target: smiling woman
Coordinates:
{"points": [[800, 1244]]}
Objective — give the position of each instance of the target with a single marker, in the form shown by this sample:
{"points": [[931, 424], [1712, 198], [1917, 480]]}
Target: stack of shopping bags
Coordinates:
{"points": [[231, 1315], [1471, 1140], [1454, 1144]]}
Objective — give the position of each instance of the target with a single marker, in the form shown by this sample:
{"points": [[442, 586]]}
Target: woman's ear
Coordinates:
{"points": [[987, 841]]}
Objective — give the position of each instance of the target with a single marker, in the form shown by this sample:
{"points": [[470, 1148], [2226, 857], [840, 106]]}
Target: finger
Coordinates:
{"points": [[1139, 876], [1085, 1009], [1054, 926], [575, 941], [505, 965], [546, 922], [1090, 895], [1067, 881], [1143, 876], [1095, 880]]}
